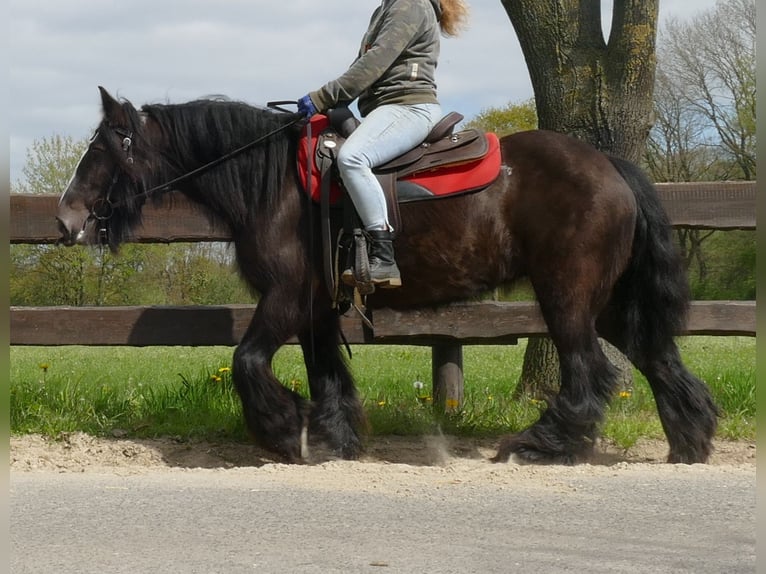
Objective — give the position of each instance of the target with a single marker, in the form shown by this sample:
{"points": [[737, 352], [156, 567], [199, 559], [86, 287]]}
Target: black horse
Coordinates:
{"points": [[588, 230]]}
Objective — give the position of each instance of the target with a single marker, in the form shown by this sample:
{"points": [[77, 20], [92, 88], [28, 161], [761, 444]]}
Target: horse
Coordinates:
{"points": [[586, 229]]}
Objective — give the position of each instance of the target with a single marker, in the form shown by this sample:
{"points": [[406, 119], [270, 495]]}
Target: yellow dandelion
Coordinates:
{"points": [[224, 370], [381, 403], [624, 394], [215, 378], [44, 366]]}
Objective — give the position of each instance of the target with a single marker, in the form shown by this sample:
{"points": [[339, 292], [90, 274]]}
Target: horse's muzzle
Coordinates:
{"points": [[67, 237], [70, 235]]}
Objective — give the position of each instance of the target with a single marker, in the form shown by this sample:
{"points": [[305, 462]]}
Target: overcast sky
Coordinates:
{"points": [[252, 50]]}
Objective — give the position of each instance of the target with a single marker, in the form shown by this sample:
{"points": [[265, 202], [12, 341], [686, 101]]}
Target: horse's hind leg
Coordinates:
{"points": [[571, 285], [275, 415], [647, 310], [684, 404], [566, 431], [337, 414], [687, 411]]}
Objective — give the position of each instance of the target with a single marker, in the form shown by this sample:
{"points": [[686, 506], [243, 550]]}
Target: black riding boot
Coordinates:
{"points": [[383, 269]]}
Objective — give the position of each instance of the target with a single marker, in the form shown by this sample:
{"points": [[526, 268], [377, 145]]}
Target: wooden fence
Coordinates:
{"points": [[713, 205]]}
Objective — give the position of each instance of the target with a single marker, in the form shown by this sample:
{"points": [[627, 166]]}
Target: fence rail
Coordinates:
{"points": [[709, 205], [486, 323], [706, 205]]}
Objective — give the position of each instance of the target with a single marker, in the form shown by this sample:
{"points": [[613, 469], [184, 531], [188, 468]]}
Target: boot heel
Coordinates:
{"points": [[384, 272], [390, 283]]}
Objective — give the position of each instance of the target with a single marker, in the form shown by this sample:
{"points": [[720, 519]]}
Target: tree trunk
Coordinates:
{"points": [[540, 375], [595, 90]]}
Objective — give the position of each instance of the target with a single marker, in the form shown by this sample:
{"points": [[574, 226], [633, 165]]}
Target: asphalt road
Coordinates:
{"points": [[694, 520]]}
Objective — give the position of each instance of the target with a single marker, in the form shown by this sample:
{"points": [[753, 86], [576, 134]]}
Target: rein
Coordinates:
{"points": [[127, 142]]}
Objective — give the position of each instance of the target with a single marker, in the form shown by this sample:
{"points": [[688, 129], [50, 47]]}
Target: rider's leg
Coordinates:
{"points": [[386, 133]]}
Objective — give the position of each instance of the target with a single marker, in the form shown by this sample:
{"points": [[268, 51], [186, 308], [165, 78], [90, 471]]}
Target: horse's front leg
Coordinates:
{"points": [[276, 416], [337, 415]]}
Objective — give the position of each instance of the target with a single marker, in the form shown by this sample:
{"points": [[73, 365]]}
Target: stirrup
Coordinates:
{"points": [[358, 276], [348, 277]]}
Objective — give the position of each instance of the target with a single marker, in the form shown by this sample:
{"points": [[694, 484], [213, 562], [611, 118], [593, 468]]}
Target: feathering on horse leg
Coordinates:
{"points": [[686, 409], [685, 406], [337, 415], [567, 430], [561, 435], [275, 415]]}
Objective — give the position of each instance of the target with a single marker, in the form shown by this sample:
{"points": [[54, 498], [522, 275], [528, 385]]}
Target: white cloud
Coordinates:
{"points": [[252, 50]]}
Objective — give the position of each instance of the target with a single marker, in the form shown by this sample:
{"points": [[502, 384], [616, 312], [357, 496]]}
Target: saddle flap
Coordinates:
{"points": [[319, 125]]}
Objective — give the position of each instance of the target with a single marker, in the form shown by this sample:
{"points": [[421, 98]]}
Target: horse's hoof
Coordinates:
{"points": [[350, 451], [288, 451], [688, 457], [529, 456], [323, 452], [522, 451]]}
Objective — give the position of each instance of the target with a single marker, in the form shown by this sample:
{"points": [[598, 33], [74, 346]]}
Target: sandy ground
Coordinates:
{"points": [[385, 458]]}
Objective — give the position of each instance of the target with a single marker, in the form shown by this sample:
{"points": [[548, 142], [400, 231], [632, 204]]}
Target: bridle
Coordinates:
{"points": [[103, 208]]}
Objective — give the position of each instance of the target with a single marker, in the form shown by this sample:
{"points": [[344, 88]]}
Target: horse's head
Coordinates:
{"points": [[103, 199]]}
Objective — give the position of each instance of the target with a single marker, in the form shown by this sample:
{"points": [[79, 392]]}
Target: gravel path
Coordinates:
{"points": [[411, 505]]}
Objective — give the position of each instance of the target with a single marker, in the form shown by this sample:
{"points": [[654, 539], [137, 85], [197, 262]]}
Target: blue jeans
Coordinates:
{"points": [[385, 133]]}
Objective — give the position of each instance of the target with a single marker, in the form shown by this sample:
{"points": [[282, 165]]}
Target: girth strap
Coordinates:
{"points": [[325, 161]]}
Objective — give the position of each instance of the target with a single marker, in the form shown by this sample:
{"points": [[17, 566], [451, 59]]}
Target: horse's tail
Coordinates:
{"points": [[652, 296], [651, 301]]}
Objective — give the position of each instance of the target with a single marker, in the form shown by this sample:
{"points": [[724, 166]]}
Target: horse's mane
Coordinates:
{"points": [[197, 132]]}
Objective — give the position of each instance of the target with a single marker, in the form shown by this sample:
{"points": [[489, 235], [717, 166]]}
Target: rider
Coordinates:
{"points": [[393, 77]]}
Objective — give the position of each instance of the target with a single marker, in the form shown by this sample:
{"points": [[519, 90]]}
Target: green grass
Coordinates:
{"points": [[187, 392], [141, 391]]}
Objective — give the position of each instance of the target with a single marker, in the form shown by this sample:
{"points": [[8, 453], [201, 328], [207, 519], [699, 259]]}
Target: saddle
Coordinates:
{"points": [[446, 163]]}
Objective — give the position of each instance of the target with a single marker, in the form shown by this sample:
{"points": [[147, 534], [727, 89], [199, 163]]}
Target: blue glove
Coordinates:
{"points": [[306, 106]]}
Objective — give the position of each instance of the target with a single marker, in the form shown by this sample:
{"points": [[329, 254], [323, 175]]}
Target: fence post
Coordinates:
{"points": [[447, 375]]}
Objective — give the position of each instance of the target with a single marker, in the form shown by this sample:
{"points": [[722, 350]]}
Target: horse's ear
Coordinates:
{"points": [[112, 108]]}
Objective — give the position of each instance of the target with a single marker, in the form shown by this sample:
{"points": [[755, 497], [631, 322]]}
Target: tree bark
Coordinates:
{"points": [[596, 90], [540, 374]]}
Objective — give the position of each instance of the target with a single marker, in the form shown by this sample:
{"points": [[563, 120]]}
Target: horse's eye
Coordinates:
{"points": [[97, 147]]}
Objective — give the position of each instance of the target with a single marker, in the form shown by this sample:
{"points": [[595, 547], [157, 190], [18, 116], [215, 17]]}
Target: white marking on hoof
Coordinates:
{"points": [[305, 442]]}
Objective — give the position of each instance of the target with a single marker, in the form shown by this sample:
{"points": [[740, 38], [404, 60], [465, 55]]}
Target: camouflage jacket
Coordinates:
{"points": [[396, 62]]}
